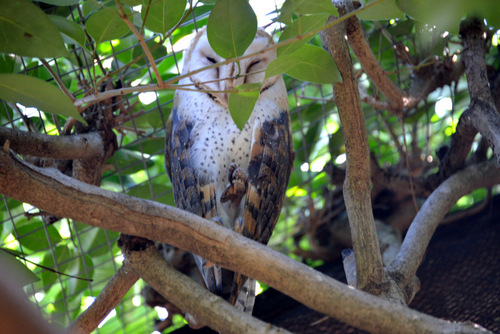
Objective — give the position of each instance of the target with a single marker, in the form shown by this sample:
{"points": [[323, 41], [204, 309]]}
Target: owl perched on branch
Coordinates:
{"points": [[236, 178]]}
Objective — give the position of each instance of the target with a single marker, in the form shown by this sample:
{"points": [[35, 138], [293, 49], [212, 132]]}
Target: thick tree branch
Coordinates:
{"points": [[432, 213], [51, 191], [84, 146], [357, 184], [484, 115], [108, 299], [190, 296]]}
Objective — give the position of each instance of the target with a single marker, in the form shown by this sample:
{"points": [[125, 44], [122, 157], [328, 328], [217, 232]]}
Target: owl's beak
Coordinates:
{"points": [[230, 79]]}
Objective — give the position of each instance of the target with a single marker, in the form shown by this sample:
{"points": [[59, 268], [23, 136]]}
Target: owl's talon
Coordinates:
{"points": [[238, 227], [217, 220], [237, 187], [231, 170]]}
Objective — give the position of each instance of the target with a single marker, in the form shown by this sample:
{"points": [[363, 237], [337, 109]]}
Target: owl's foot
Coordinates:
{"points": [[237, 187], [238, 227], [217, 220]]}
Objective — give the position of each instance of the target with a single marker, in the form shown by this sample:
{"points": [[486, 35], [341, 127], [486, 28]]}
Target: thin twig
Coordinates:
{"points": [[141, 40], [57, 79], [44, 267]]}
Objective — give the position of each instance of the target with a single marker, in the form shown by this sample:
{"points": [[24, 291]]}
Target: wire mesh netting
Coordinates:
{"points": [[73, 261]]}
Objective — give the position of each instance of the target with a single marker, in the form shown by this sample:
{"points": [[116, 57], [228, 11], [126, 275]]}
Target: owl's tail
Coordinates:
{"points": [[243, 293]]}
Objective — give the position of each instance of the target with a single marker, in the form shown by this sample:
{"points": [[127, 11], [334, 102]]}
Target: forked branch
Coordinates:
{"points": [[439, 203], [357, 184], [484, 115]]}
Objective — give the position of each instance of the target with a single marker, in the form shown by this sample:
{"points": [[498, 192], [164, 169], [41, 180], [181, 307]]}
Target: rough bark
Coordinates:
{"points": [[484, 115], [190, 296], [357, 184], [82, 146]]}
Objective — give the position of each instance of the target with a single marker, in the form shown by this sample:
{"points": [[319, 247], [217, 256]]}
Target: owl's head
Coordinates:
{"points": [[221, 80]]}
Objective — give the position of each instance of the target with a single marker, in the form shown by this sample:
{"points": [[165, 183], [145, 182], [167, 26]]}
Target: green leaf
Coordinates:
{"points": [[306, 7], [385, 10], [487, 9], [27, 31], [71, 32], [84, 270], [126, 161], [242, 102], [162, 15], [7, 64], [89, 7], [61, 2], [231, 27], [309, 63], [106, 24], [23, 275], [298, 27], [431, 12], [34, 236], [62, 257], [34, 92]]}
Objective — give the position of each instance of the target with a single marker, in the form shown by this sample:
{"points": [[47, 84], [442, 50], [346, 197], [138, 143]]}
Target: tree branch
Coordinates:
{"points": [[455, 157], [82, 146], [484, 115], [57, 79], [397, 99], [190, 296], [432, 213], [144, 46], [357, 184], [428, 77], [61, 195], [106, 301]]}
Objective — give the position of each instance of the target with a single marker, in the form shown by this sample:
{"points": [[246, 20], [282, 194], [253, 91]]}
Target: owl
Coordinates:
{"points": [[235, 178]]}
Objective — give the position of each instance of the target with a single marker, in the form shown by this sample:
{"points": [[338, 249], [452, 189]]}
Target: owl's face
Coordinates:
{"points": [[219, 81]]}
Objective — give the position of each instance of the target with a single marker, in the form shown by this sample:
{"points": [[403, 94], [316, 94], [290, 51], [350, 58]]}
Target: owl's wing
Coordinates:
{"points": [[189, 193], [271, 161]]}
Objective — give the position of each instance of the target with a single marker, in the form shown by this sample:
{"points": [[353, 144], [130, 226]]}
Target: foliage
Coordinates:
{"points": [[59, 56]]}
